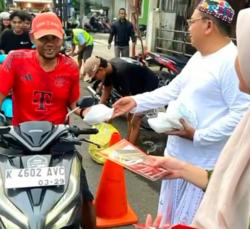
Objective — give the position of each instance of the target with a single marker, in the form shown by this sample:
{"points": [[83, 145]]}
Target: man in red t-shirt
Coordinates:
{"points": [[40, 92], [45, 84]]}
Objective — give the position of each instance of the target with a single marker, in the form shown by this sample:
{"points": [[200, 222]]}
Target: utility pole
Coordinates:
{"points": [[82, 11], [135, 10]]}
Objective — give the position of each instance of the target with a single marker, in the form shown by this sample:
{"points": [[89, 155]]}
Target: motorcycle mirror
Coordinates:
{"points": [[86, 101]]}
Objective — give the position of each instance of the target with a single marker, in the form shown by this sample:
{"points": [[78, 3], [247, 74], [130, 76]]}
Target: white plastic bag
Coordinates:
{"points": [[97, 114], [169, 120]]}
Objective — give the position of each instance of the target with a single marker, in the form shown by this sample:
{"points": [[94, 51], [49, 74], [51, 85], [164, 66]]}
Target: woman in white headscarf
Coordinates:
{"points": [[226, 203]]}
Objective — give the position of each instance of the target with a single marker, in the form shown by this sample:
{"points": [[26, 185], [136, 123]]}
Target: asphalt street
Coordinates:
{"points": [[142, 194]]}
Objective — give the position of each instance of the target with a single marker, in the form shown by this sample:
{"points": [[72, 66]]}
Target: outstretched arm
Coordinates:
{"points": [[123, 105], [180, 169]]}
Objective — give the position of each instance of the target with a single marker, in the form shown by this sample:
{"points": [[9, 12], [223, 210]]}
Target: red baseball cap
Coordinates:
{"points": [[47, 24]]}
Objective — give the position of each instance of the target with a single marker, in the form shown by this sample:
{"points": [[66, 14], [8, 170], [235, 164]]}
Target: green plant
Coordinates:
{"points": [[2, 5]]}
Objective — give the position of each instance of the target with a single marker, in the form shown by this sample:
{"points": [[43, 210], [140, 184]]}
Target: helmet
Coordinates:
{"points": [[4, 15]]}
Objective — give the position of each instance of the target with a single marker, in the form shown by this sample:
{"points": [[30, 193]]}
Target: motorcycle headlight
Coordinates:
{"points": [[8, 208], [64, 219], [70, 194], [8, 224]]}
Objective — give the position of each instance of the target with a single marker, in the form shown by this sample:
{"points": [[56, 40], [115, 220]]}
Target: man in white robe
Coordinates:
{"points": [[208, 88]]}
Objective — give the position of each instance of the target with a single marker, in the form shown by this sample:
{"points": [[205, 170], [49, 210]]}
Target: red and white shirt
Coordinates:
{"points": [[39, 95]]}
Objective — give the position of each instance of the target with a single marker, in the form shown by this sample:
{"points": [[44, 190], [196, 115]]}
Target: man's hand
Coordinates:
{"points": [[109, 46], [187, 132], [123, 106]]}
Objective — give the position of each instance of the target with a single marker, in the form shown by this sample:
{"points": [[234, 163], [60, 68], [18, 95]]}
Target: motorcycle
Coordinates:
{"points": [[6, 107], [169, 66], [40, 174], [99, 23]]}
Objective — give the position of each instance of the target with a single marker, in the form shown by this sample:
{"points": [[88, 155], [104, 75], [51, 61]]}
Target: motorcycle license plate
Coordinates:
{"points": [[34, 177]]}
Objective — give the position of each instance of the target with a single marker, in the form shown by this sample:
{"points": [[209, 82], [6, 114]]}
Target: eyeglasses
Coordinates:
{"points": [[191, 21]]}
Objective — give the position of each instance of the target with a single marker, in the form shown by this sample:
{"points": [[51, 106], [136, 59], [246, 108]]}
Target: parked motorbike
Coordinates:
{"points": [[6, 107], [99, 23], [40, 175], [169, 66]]}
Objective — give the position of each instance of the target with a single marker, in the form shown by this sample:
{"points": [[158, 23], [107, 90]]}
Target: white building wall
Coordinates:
{"points": [[109, 3], [153, 24]]}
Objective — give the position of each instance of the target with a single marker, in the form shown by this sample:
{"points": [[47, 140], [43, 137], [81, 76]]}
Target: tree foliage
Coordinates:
{"points": [[76, 4], [2, 5]]}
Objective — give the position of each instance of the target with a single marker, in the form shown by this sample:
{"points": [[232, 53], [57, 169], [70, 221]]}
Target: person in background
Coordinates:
{"points": [[85, 43], [208, 88], [121, 30], [45, 84], [4, 21], [15, 38], [127, 78], [27, 22], [93, 21]]}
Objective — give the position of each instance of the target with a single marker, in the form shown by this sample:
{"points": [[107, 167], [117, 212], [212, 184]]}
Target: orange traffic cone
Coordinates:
{"points": [[112, 208], [115, 137]]}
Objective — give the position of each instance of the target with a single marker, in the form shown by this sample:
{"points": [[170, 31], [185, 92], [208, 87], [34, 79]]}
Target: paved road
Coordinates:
{"points": [[142, 193]]}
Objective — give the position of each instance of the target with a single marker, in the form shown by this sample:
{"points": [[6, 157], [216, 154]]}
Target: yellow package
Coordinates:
{"points": [[102, 138]]}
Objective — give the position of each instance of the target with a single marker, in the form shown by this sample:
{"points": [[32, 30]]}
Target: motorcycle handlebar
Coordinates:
{"points": [[77, 131], [4, 130]]}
